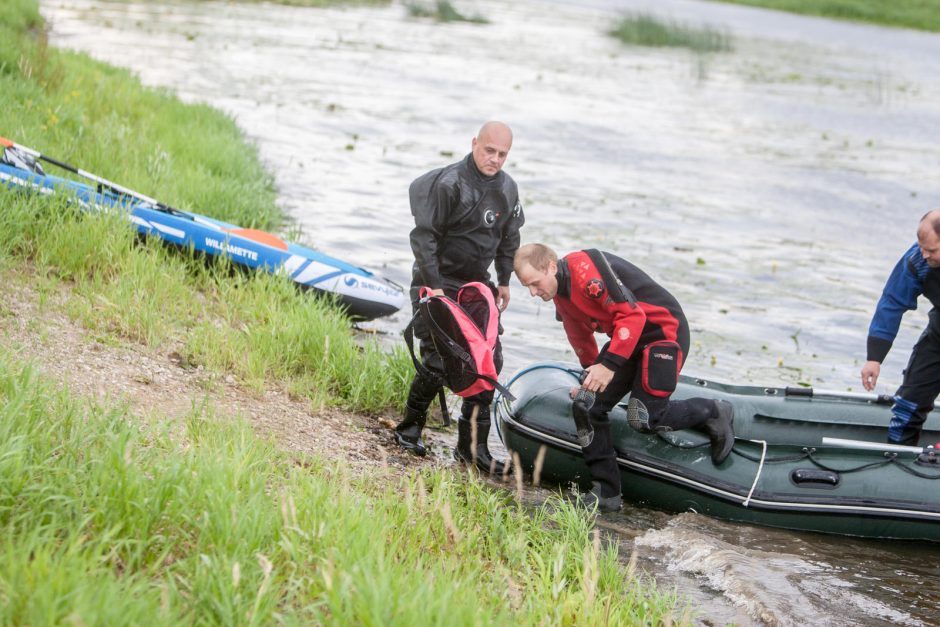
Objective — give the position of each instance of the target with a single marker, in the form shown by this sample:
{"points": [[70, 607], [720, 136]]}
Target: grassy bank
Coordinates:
{"points": [[108, 522], [916, 14], [255, 327]]}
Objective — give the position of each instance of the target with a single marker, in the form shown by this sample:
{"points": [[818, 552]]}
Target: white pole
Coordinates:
{"points": [[872, 446]]}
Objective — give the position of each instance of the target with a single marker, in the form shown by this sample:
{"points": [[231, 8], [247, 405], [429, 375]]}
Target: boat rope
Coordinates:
{"points": [[760, 468], [524, 371], [845, 471], [501, 399], [770, 460], [910, 470], [809, 453], [574, 373], [890, 458]]}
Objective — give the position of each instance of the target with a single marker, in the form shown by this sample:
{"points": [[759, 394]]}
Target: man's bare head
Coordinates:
{"points": [[535, 266], [928, 237], [491, 147]]}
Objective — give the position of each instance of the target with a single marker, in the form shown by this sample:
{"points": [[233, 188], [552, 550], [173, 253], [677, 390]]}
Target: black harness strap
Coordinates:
{"points": [[424, 371], [617, 291]]}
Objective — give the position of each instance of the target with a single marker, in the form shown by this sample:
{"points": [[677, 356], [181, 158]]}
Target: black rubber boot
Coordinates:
{"points": [[720, 431], [592, 500], [408, 431], [601, 460], [712, 417], [480, 454]]}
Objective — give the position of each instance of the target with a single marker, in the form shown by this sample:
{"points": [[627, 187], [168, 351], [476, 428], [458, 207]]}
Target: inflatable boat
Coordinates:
{"points": [[803, 459], [364, 295]]}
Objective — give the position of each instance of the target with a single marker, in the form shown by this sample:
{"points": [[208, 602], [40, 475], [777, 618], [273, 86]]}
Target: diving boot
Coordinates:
{"points": [[720, 431], [473, 450], [601, 460], [592, 500], [408, 431]]}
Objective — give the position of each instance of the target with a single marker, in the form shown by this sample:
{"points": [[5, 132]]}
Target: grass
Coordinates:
{"points": [[916, 14], [255, 326], [108, 522], [647, 30], [442, 11]]}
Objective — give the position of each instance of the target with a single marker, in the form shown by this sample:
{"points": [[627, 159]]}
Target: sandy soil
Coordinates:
{"points": [[154, 385]]}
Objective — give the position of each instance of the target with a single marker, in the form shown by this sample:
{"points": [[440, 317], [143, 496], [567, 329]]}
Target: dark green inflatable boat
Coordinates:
{"points": [[781, 472]]}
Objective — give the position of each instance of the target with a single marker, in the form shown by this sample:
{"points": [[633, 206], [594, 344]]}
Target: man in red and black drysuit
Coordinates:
{"points": [[597, 292]]}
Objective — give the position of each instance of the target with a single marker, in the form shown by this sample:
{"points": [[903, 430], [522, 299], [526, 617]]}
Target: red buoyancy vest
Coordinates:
{"points": [[464, 333]]}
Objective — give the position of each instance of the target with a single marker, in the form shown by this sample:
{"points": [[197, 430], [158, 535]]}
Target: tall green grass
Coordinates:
{"points": [[105, 521], [917, 14], [256, 326], [647, 30]]}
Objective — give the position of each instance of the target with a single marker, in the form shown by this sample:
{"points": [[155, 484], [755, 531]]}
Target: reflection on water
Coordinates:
{"points": [[771, 189]]}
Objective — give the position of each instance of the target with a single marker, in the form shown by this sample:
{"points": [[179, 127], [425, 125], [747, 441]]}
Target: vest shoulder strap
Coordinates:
{"points": [[619, 293]]}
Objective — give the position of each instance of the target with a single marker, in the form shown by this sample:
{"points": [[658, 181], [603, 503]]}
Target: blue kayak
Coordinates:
{"points": [[364, 295]]}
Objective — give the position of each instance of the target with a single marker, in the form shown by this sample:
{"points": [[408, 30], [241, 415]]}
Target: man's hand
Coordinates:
{"points": [[502, 297], [437, 292], [870, 372], [598, 377]]}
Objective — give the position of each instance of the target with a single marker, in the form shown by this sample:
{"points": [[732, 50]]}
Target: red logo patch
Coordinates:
{"points": [[594, 288]]}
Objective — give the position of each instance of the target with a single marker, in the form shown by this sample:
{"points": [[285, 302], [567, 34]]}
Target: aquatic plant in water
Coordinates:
{"points": [[442, 11], [646, 30]]}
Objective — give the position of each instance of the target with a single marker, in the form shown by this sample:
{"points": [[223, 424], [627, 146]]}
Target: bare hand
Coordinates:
{"points": [[437, 292], [502, 297], [598, 377], [870, 372]]}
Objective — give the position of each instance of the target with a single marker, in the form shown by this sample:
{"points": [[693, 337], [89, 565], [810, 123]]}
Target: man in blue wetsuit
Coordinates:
{"points": [[916, 274]]}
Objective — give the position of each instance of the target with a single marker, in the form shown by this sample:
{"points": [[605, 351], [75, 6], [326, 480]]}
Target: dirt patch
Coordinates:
{"points": [[155, 385]]}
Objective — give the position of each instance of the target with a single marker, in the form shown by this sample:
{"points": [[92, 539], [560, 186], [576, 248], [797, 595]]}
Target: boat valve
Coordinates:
{"points": [[930, 456]]}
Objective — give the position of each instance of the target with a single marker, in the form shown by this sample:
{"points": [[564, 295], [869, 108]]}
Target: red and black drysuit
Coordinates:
{"points": [[649, 338]]}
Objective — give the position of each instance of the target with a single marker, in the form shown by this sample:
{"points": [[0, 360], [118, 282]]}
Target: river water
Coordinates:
{"points": [[771, 189]]}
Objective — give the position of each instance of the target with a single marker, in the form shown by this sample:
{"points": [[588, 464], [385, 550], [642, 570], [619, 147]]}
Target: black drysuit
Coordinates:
{"points": [[464, 222]]}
